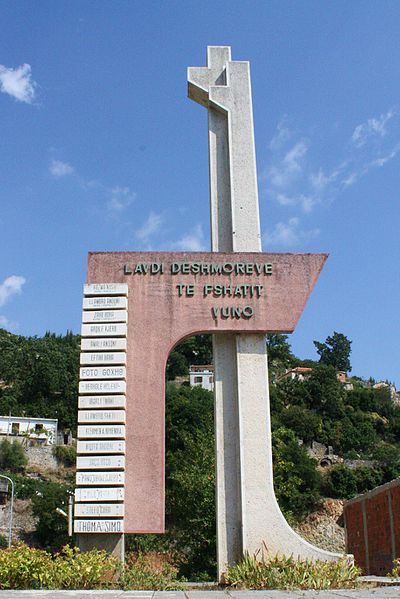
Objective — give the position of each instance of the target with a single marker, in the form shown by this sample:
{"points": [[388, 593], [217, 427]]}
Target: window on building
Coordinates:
{"points": [[15, 428], [211, 379], [198, 379], [39, 428]]}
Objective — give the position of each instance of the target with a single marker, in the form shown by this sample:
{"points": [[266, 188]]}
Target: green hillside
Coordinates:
{"points": [[39, 377]]}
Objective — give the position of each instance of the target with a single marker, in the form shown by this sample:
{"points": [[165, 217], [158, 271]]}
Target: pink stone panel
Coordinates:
{"points": [[159, 319]]}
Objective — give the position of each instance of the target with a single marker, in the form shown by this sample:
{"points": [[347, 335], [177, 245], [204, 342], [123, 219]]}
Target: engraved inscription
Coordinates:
{"points": [[106, 289], [104, 330], [102, 387], [100, 447], [104, 316], [101, 494], [96, 526], [102, 401]]}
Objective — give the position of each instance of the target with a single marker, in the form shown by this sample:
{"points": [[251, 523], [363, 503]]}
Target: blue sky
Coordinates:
{"points": [[100, 149]]}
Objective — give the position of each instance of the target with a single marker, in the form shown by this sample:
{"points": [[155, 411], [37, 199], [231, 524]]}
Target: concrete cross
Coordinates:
{"points": [[248, 516]]}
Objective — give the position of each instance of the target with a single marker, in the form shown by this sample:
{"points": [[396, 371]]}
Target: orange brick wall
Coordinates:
{"points": [[372, 525]]}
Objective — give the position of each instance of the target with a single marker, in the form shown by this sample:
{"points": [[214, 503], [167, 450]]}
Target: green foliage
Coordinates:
{"points": [[304, 423], [66, 454], [3, 542], [51, 528], [335, 351], [323, 393], [139, 574], [280, 355], [193, 350], [190, 480], [388, 457], [296, 479], [89, 570], [343, 482], [22, 567], [340, 482], [395, 573], [12, 456], [40, 375], [288, 573]]}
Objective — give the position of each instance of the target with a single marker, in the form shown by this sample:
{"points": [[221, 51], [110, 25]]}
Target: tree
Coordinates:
{"points": [[12, 456], [51, 527], [335, 351], [296, 479]]}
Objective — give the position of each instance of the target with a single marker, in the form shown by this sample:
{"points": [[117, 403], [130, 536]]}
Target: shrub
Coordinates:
{"points": [[288, 573], [139, 574], [24, 568], [51, 528], [340, 482], [296, 479], [12, 456], [3, 542], [66, 454], [89, 570], [395, 573]]}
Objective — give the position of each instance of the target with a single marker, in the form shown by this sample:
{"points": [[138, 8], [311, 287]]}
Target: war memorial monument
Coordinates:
{"points": [[138, 305]]}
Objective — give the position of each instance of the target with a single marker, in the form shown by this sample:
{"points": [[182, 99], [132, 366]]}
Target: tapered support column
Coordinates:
{"points": [[248, 516]]}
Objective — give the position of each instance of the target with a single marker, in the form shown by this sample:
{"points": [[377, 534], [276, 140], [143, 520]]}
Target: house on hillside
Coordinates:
{"points": [[300, 373], [201, 375], [42, 430]]}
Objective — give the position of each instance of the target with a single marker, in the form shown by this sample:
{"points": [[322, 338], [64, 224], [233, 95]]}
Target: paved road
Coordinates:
{"points": [[377, 593]]}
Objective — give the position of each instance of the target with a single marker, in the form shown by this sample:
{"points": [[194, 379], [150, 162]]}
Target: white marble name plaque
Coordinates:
{"points": [[105, 316], [100, 478], [100, 303], [102, 387], [116, 357], [111, 510], [116, 431], [106, 289], [102, 494], [111, 462], [104, 330], [96, 526], [102, 401], [100, 447], [102, 372], [101, 416], [107, 344]]}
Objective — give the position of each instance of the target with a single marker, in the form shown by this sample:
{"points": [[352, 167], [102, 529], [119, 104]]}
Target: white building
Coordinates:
{"points": [[42, 429], [202, 376]]}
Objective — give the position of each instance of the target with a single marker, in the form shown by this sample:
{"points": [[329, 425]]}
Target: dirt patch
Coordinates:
{"points": [[324, 527]]}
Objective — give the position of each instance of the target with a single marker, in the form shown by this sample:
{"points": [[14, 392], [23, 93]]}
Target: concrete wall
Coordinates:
{"points": [[372, 525]]}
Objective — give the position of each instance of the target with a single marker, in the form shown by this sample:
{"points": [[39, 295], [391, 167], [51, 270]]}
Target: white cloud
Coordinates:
{"points": [[306, 202], [288, 234], [10, 286], [150, 227], [290, 167], [282, 135], [192, 241], [375, 126], [18, 83], [58, 169], [295, 179], [121, 198]]}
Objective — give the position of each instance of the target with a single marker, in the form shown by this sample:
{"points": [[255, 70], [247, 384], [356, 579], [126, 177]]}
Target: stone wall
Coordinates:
{"points": [[372, 525], [42, 457]]}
